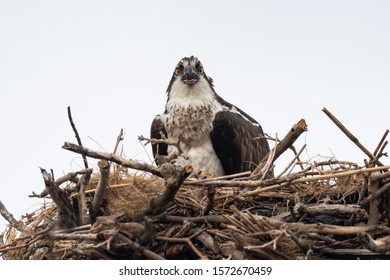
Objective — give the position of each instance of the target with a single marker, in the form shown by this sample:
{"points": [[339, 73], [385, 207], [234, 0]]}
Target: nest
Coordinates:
{"points": [[325, 210], [300, 219]]}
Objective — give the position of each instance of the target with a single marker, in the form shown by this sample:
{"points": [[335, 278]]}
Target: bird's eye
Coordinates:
{"points": [[177, 72]]}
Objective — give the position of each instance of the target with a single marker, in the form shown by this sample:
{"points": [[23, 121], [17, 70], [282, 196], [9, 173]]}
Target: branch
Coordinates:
{"points": [[284, 144], [104, 166], [374, 210], [351, 136], [66, 217], [77, 135], [83, 210], [118, 140], [138, 248], [179, 174], [10, 218], [112, 157]]}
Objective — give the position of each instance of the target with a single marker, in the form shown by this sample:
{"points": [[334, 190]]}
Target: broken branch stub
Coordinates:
{"points": [[65, 213], [284, 144]]}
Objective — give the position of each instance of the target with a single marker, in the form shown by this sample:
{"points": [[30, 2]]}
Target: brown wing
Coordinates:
{"points": [[155, 132], [234, 142]]}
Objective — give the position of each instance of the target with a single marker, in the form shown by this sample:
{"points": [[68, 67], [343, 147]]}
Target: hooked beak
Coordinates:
{"points": [[190, 76]]}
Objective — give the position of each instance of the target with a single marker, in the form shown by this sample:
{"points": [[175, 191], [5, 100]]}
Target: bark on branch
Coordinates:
{"points": [[104, 166], [179, 174], [112, 157], [283, 145], [351, 136], [66, 215]]}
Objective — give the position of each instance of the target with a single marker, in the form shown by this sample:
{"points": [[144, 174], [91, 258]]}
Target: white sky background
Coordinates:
{"points": [[111, 61]]}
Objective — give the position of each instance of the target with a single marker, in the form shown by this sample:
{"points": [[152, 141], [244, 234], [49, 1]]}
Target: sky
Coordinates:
{"points": [[111, 61]]}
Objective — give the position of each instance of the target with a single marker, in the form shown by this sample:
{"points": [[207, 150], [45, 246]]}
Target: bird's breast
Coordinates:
{"points": [[190, 124]]}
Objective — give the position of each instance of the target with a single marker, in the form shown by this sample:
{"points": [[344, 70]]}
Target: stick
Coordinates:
{"points": [[297, 154], [118, 140], [104, 166], [138, 248], [112, 157], [323, 228], [381, 142], [283, 145], [157, 205], [66, 217], [84, 180], [77, 135], [350, 136], [10, 218], [276, 183], [374, 210]]}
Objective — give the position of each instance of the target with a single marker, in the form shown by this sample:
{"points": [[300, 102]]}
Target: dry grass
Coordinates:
{"points": [[129, 193]]}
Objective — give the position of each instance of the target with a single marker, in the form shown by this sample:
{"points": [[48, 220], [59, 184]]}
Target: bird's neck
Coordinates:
{"points": [[190, 113]]}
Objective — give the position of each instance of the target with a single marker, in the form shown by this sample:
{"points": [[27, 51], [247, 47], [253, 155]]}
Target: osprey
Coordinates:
{"points": [[214, 135]]}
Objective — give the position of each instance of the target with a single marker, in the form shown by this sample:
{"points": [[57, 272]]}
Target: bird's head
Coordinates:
{"points": [[188, 75]]}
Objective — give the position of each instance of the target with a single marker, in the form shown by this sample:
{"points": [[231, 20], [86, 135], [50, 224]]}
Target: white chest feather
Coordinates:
{"points": [[190, 113]]}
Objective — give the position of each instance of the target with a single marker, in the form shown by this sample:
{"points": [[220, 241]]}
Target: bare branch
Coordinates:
{"points": [[112, 157], [76, 135], [351, 136], [104, 166], [284, 144]]}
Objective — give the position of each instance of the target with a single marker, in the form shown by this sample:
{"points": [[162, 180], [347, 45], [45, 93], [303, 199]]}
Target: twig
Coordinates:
{"points": [[297, 154], [331, 209], [104, 166], [84, 180], [112, 157], [138, 248], [380, 143], [199, 220], [158, 204], [284, 144], [381, 245], [34, 238], [77, 135], [66, 216], [157, 141], [374, 210], [350, 136], [375, 194], [72, 177], [270, 184], [118, 140], [188, 240], [323, 228], [210, 200], [10, 218], [381, 153]]}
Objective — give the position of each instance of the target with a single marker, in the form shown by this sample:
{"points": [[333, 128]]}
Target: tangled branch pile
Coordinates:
{"points": [[326, 210]]}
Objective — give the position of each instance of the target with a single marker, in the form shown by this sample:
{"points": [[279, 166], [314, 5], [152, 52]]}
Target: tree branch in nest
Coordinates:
{"points": [[283, 145], [71, 177], [374, 209], [166, 141], [118, 140], [10, 218], [112, 157], [76, 135], [173, 182], [381, 245], [104, 166], [83, 210], [351, 136], [66, 216]]}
